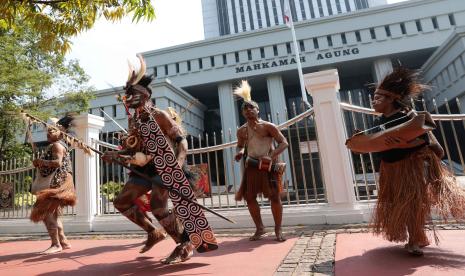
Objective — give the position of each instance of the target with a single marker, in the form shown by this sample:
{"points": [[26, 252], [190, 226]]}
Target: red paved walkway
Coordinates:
{"points": [[236, 256], [364, 254]]}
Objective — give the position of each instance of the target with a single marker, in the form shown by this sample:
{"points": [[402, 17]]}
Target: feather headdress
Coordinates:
{"points": [[244, 91], [402, 84], [174, 115], [138, 81], [133, 76], [61, 125]]}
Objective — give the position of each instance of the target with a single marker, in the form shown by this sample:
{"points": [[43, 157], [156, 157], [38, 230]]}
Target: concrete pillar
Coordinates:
{"points": [[229, 122], [278, 106], [338, 177], [87, 128], [381, 68]]}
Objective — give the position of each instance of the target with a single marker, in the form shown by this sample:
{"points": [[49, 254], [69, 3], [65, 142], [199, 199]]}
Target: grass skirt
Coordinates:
{"points": [[255, 182], [53, 200], [409, 190]]}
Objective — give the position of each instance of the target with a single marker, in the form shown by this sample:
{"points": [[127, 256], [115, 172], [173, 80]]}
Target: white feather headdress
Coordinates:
{"points": [[244, 91]]}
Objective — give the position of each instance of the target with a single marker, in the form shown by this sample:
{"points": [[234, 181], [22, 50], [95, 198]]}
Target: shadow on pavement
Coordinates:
{"points": [[394, 260]]}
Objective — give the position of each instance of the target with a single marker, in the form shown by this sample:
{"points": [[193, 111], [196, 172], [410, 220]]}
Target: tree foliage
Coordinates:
{"points": [[28, 74], [56, 21]]}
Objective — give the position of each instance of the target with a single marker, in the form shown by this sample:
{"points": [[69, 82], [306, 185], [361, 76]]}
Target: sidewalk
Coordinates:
{"points": [[351, 250], [309, 251]]}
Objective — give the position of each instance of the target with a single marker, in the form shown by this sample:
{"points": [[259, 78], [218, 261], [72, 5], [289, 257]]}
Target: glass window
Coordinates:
{"points": [[259, 15], [241, 9], [315, 43], [343, 38], [249, 9], [330, 8], [330, 40], [388, 30], [233, 4], [267, 13], [212, 61], [288, 48], [347, 5]]}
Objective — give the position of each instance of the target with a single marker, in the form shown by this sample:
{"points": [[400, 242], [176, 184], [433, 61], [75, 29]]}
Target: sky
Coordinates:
{"points": [[104, 50]]}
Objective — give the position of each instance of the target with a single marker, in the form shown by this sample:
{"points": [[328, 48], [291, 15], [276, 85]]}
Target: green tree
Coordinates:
{"points": [[27, 75], [56, 21]]}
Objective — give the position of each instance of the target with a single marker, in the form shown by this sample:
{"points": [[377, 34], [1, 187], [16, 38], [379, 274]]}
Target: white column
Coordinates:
{"points": [[279, 11], [324, 87], [248, 24], [277, 98], [87, 128], [229, 121], [381, 68]]}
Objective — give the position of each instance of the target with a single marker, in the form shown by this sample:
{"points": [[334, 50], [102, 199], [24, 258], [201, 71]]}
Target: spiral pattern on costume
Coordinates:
{"points": [[208, 236], [161, 141], [170, 161], [182, 211], [196, 240], [144, 129], [185, 191], [166, 178], [150, 145], [153, 126], [194, 221], [175, 198], [189, 226], [178, 176], [159, 162], [201, 222], [195, 209]]}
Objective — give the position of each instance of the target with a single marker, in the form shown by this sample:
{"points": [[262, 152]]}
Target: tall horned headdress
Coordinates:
{"points": [[137, 80]]}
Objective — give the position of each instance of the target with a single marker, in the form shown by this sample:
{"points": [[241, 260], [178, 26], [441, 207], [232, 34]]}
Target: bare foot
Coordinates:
{"points": [[258, 234], [279, 234], [65, 245], [181, 253], [153, 238], [414, 249], [52, 249]]}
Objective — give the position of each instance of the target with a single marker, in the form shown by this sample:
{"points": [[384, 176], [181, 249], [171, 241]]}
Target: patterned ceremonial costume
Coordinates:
{"points": [[167, 169], [61, 192]]}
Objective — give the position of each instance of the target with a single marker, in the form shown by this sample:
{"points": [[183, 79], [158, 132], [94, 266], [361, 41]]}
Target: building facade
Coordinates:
{"points": [[198, 78], [224, 17]]}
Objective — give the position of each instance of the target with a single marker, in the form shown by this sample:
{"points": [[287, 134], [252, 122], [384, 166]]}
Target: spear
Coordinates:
{"points": [[80, 144]]}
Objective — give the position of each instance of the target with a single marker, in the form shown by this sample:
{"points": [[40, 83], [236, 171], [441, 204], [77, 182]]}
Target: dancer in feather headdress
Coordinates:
{"points": [[255, 145], [149, 148], [55, 169], [412, 180]]}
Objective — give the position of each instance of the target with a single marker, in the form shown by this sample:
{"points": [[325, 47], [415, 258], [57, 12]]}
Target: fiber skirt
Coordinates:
{"points": [[409, 190], [256, 182], [53, 200]]}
